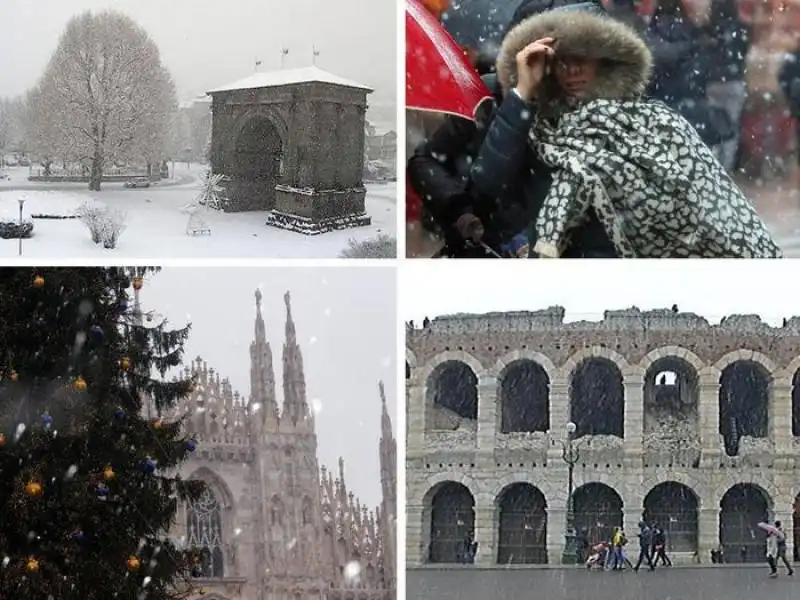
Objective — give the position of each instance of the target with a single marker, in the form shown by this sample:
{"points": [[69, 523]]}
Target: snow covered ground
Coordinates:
{"points": [[156, 223]]}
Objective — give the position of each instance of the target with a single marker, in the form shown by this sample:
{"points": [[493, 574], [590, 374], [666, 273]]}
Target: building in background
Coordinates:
{"points": [[690, 425], [273, 524], [191, 135]]}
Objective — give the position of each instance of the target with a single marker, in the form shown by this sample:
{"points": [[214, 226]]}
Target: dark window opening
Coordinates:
{"points": [[524, 398], [522, 538], [598, 510], [452, 523], [670, 402], [796, 405], [673, 507], [454, 389], [597, 399], [742, 508], [743, 400]]}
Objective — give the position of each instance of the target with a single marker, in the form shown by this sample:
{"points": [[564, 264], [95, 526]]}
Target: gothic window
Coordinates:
{"points": [[308, 514], [204, 525], [290, 481], [276, 512]]}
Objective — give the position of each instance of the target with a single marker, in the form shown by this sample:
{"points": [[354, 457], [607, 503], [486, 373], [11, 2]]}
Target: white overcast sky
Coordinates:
{"points": [[346, 323], [206, 44], [712, 289]]}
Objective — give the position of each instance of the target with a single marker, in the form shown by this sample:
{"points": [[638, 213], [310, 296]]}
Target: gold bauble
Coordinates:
{"points": [[79, 384], [133, 563], [157, 423], [38, 281], [108, 473], [33, 489], [14, 376], [124, 363], [138, 282], [32, 566]]}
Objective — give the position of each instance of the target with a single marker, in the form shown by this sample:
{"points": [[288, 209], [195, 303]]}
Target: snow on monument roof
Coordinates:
{"points": [[288, 77]]}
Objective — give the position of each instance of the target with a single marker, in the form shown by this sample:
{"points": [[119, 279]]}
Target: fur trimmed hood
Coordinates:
{"points": [[626, 61]]}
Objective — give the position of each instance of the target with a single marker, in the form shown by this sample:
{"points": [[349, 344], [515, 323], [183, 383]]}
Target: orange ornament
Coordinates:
{"points": [[32, 566], [79, 384], [14, 376], [33, 489], [108, 473], [157, 423], [2, 440], [133, 563], [138, 282], [38, 281]]}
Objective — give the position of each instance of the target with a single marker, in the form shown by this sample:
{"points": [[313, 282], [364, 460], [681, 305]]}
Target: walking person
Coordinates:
{"points": [[645, 545], [659, 547], [617, 543], [772, 553], [782, 549]]}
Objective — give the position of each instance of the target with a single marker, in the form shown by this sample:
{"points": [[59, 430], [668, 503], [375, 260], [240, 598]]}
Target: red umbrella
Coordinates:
{"points": [[439, 76]]}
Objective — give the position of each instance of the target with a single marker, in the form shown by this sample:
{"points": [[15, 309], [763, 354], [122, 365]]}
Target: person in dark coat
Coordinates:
{"points": [[727, 65], [680, 71], [453, 173], [789, 78]]}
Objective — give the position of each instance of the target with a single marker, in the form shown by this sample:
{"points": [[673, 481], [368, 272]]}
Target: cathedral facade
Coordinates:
{"points": [[653, 415], [273, 524]]}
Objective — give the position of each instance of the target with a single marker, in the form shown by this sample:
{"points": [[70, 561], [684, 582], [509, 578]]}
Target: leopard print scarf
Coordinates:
{"points": [[657, 189]]}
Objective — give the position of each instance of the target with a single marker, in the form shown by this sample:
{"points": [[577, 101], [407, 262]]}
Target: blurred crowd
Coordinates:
{"points": [[730, 67]]}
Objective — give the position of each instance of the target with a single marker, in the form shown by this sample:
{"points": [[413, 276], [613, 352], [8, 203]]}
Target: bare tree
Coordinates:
{"points": [[104, 96], [5, 127]]}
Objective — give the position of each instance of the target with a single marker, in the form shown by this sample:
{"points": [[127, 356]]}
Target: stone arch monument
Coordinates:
{"points": [[292, 142]]}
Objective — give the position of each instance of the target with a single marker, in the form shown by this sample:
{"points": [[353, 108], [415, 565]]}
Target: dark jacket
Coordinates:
{"points": [[681, 67], [728, 59], [790, 81]]}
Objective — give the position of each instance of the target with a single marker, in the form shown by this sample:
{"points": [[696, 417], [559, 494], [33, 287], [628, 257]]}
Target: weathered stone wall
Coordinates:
{"points": [[489, 461]]}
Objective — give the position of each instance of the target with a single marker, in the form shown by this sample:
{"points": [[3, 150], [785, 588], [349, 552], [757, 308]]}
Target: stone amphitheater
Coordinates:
{"points": [[687, 424]]}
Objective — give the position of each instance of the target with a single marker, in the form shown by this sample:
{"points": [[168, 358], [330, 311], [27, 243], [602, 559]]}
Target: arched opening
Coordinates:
{"points": [[258, 163], [673, 507], [524, 398], [742, 508], [408, 371], [670, 404], [453, 392], [796, 528], [796, 404], [204, 533], [522, 538], [598, 510], [452, 523], [743, 403], [597, 398]]}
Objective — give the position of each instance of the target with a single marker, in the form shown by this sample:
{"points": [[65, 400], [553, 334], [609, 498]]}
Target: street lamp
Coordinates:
{"points": [[21, 205], [570, 454]]}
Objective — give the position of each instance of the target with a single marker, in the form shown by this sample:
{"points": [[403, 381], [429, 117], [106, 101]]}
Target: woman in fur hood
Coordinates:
{"points": [[642, 169]]}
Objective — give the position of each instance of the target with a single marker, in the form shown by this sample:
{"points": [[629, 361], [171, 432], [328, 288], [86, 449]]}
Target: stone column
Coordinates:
{"points": [[487, 414], [785, 517], [634, 418], [416, 540], [556, 529], [707, 533], [631, 517], [708, 418], [559, 417], [416, 413], [486, 534], [780, 417]]}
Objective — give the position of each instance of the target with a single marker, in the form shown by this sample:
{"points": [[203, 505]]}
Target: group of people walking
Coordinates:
{"points": [[610, 555]]}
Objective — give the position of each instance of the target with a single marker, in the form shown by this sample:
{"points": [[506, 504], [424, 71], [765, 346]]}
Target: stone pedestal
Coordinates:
{"points": [[312, 212]]}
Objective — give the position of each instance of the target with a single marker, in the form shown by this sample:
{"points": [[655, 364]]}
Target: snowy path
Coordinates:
{"points": [[156, 224]]}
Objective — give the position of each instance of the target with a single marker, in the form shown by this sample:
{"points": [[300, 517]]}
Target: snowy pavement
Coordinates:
{"points": [[156, 223], [726, 582]]}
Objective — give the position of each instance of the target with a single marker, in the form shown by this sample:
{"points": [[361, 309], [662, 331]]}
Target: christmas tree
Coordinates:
{"points": [[87, 493]]}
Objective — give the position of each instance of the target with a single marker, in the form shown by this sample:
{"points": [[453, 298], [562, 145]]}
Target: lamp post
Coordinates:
{"points": [[570, 455], [21, 205]]}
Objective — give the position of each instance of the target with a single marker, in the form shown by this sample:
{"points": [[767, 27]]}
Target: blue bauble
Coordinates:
{"points": [[102, 491], [148, 466], [123, 306], [47, 420], [191, 445], [77, 535], [119, 414], [97, 334]]}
